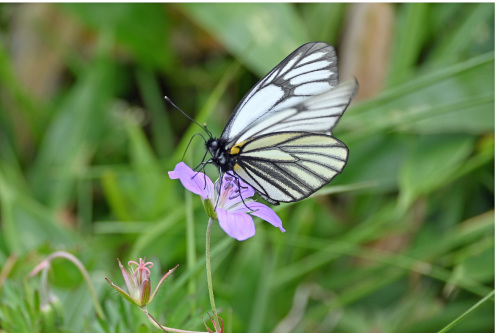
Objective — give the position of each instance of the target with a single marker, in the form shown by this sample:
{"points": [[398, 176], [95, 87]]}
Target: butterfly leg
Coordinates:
{"points": [[219, 188], [202, 166], [189, 143], [239, 191]]}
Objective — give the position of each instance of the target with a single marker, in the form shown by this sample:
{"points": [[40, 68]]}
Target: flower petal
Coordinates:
{"points": [[235, 205], [195, 182], [236, 224], [128, 277], [266, 213], [161, 281], [123, 293], [145, 295]]}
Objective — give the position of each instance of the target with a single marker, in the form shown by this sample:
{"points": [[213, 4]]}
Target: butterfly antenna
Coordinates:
{"points": [[188, 117]]}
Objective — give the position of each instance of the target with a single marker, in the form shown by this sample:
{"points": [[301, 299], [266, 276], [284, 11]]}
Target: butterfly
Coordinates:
{"points": [[279, 138]]}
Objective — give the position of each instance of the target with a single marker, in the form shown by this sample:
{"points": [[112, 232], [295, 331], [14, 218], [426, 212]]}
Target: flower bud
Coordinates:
{"points": [[138, 283]]}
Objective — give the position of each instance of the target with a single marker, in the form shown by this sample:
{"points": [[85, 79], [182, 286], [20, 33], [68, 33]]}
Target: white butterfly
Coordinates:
{"points": [[278, 139]]}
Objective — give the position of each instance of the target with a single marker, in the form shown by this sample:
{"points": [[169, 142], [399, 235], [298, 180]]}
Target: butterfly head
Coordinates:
{"points": [[215, 148], [220, 156]]}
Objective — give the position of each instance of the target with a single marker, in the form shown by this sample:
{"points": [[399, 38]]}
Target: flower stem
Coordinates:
{"points": [[191, 249], [209, 274], [164, 328], [45, 265]]}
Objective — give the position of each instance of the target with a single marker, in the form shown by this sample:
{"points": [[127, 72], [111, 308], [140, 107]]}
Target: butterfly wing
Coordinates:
{"points": [[290, 166], [317, 114], [310, 70]]}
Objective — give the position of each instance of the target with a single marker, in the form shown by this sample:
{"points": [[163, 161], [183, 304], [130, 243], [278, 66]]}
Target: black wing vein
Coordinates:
{"points": [[276, 91]]}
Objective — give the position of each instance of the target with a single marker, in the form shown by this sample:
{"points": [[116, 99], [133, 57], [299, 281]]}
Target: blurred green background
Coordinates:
{"points": [[402, 241]]}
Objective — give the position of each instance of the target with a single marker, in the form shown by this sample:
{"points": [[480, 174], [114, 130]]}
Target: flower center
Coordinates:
{"points": [[142, 271], [230, 189]]}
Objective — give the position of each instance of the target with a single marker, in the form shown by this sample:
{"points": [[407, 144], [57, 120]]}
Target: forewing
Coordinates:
{"points": [[317, 114], [290, 166], [310, 70]]}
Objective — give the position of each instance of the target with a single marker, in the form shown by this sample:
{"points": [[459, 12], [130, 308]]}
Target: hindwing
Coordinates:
{"points": [[290, 166]]}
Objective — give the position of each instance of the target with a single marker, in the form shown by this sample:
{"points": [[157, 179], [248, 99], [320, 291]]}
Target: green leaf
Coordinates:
{"points": [[468, 312], [470, 28], [324, 20], [143, 192], [163, 136], [456, 98], [411, 32], [479, 260], [260, 35], [432, 161], [26, 224], [143, 329], [140, 28], [375, 160], [73, 135], [20, 113]]}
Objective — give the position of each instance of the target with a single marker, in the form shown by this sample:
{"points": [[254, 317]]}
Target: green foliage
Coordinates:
{"points": [[402, 241], [258, 35]]}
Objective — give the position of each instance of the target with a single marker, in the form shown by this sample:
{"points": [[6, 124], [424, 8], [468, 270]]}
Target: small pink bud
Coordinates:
{"points": [[138, 282]]}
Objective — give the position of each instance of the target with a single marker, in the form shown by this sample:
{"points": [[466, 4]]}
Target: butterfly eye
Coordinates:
{"points": [[213, 144]]}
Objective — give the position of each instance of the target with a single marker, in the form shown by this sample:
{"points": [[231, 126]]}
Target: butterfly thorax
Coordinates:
{"points": [[220, 156]]}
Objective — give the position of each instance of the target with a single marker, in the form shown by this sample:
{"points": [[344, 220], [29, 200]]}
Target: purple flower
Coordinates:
{"points": [[231, 211]]}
